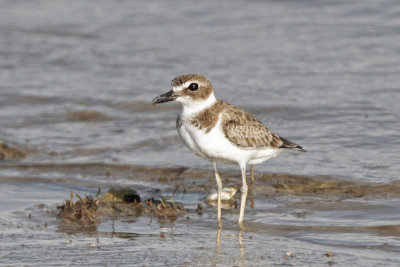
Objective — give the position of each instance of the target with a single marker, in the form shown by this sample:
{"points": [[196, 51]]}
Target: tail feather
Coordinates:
{"points": [[290, 145]]}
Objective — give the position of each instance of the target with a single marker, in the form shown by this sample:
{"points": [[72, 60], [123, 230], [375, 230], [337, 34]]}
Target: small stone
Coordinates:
{"points": [[93, 245], [288, 255], [127, 195], [199, 209], [329, 254]]}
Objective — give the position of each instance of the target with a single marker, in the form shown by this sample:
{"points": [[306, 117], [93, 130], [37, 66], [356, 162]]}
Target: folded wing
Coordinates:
{"points": [[244, 130]]}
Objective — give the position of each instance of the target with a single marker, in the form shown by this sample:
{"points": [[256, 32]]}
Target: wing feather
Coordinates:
{"points": [[244, 130]]}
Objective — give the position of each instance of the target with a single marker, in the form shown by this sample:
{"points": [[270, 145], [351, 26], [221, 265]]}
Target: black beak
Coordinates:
{"points": [[168, 96]]}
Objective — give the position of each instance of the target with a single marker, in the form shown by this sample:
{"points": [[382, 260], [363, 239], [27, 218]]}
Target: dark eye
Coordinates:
{"points": [[193, 86]]}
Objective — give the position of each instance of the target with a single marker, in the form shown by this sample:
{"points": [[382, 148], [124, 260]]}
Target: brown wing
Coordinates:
{"points": [[242, 129]]}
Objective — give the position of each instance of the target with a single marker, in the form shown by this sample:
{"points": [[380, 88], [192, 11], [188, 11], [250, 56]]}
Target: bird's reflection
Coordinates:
{"points": [[218, 248], [241, 248], [240, 243], [240, 233]]}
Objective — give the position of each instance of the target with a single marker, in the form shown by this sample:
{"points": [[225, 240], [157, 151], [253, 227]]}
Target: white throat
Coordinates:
{"points": [[191, 107]]}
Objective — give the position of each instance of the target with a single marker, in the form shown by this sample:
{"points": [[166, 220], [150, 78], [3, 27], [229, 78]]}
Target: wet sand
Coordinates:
{"points": [[289, 220]]}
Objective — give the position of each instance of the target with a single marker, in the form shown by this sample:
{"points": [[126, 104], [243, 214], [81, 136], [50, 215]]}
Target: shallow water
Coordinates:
{"points": [[324, 75], [359, 230]]}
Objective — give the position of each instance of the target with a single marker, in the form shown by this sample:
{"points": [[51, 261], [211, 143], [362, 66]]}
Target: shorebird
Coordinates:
{"points": [[220, 132]]}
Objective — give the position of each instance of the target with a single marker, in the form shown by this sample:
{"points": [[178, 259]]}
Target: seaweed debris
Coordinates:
{"points": [[86, 213], [165, 209], [7, 152], [83, 213]]}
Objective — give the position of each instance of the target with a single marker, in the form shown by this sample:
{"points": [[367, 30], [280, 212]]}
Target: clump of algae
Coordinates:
{"points": [[7, 152], [82, 213], [86, 213]]}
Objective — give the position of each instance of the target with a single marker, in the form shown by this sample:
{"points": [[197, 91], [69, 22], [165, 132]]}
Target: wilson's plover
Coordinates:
{"points": [[220, 132]]}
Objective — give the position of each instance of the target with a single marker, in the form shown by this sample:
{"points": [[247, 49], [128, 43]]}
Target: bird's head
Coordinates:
{"points": [[188, 89]]}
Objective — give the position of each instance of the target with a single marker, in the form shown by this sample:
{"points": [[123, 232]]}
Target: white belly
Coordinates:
{"points": [[215, 146]]}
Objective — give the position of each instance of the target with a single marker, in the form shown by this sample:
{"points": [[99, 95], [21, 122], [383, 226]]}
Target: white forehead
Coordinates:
{"points": [[178, 88]]}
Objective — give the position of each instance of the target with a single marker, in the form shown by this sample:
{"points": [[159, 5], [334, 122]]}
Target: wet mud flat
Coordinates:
{"points": [[289, 220]]}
